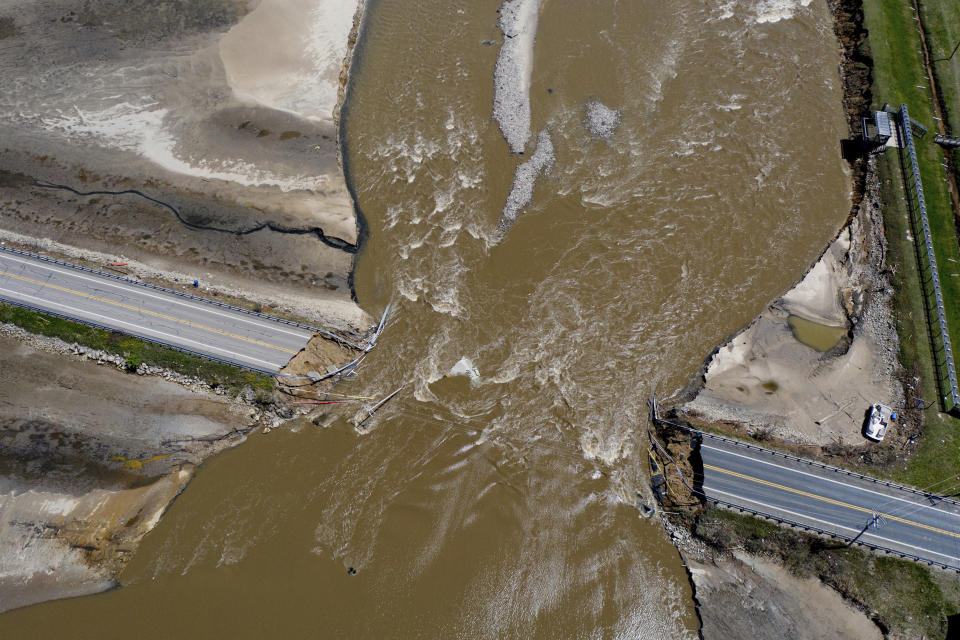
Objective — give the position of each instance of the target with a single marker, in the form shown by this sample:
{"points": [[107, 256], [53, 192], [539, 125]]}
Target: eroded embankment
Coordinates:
{"points": [[778, 379], [766, 383], [784, 376], [212, 165], [90, 459]]}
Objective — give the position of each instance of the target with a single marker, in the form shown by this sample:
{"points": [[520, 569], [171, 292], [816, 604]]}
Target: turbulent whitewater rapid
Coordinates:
{"points": [[571, 203]]}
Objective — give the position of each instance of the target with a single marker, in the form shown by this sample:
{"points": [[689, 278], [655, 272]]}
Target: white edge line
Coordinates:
{"points": [[202, 306], [832, 524], [174, 339]]}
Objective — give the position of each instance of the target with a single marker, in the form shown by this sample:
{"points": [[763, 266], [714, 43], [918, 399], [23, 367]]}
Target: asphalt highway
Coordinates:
{"points": [[250, 341], [830, 499]]}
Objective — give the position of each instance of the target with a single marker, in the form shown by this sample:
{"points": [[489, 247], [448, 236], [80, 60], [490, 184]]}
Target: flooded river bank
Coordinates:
{"points": [[695, 174]]}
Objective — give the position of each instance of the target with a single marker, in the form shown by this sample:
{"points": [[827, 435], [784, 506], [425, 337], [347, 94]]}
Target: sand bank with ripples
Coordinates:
{"points": [[765, 378], [226, 111]]}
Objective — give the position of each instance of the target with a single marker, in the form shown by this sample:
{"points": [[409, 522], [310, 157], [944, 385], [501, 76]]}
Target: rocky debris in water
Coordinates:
{"points": [[684, 540], [541, 162], [511, 77], [465, 367], [601, 120], [323, 419]]}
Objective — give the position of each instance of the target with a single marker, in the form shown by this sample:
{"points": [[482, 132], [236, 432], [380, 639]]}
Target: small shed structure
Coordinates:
{"points": [[878, 128]]}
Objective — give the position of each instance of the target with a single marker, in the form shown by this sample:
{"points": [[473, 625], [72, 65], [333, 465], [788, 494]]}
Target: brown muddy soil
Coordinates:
{"points": [[748, 596], [126, 138], [89, 459]]}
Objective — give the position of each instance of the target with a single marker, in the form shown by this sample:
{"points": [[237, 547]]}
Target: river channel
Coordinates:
{"points": [[504, 505]]}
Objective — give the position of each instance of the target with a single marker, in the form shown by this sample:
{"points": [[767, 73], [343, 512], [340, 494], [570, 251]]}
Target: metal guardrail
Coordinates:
{"points": [[800, 525], [96, 325], [822, 465], [949, 391], [181, 294], [794, 523], [813, 463]]}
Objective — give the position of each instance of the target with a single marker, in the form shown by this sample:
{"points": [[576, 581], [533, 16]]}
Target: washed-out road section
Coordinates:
{"points": [[804, 492], [253, 341]]}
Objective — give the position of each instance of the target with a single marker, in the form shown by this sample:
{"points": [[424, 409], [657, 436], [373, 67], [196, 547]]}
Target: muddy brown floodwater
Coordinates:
{"points": [[505, 507]]}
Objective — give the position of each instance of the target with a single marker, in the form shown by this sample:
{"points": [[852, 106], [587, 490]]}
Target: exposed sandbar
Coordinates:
{"points": [[521, 193], [511, 78]]}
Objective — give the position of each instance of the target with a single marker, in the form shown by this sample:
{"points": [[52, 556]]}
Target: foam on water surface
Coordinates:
{"points": [[601, 120], [777, 10]]}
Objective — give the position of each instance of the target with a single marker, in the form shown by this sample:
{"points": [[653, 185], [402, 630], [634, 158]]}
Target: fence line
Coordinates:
{"points": [[949, 391], [181, 294]]}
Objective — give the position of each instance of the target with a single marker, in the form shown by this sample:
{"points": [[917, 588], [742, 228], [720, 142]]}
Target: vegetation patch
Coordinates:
{"points": [[904, 598], [136, 351], [899, 76]]}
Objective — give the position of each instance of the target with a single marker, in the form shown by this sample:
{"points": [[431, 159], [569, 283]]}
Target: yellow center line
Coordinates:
{"points": [[831, 500], [145, 311]]}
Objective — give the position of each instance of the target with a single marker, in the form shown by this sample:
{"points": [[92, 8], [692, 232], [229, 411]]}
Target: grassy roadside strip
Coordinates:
{"points": [[907, 599], [938, 452], [138, 351], [898, 76], [941, 21], [156, 279]]}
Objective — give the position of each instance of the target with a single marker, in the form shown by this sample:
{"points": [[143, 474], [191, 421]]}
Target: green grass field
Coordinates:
{"points": [[899, 76], [942, 23], [137, 351]]}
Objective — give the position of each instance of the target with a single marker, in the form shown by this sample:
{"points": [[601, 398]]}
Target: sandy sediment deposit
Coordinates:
{"points": [[512, 75], [747, 596], [766, 379], [89, 460], [223, 112], [193, 140]]}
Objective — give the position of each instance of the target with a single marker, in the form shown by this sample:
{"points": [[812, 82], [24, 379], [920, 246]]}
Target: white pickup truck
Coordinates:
{"points": [[880, 418]]}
